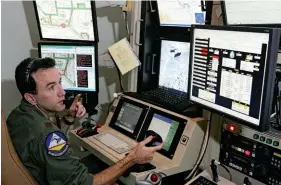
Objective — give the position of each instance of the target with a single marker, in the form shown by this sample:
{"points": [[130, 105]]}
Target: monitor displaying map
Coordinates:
{"points": [[66, 20], [180, 13], [174, 65], [76, 64]]}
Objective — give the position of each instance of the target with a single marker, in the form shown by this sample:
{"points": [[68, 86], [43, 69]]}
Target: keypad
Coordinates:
{"points": [[202, 181]]}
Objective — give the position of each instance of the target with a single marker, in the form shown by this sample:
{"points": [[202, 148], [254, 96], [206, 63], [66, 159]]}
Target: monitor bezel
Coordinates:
{"points": [[140, 121], [95, 26], [159, 48], [176, 139], [269, 75], [225, 20], [209, 10], [40, 44]]}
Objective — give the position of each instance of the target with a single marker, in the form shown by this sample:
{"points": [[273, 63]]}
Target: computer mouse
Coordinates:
{"points": [[86, 132], [157, 139]]}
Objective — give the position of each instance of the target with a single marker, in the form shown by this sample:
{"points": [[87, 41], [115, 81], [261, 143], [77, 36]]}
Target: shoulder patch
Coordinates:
{"points": [[56, 144]]}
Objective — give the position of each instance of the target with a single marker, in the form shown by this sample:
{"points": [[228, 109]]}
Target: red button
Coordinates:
{"points": [[154, 178], [247, 153]]}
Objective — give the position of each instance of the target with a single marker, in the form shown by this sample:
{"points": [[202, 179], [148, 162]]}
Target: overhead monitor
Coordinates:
{"points": [[77, 64], [182, 13], [174, 65], [251, 12], [73, 20], [233, 70], [128, 117]]}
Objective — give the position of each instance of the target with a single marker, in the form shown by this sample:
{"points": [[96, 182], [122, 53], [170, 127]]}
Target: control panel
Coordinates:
{"points": [[252, 153]]}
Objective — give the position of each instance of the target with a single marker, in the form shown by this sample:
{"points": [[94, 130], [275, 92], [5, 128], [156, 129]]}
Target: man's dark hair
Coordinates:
{"points": [[24, 80]]}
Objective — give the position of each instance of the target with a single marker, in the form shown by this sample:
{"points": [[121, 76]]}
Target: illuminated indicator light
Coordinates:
{"points": [[239, 149], [232, 128], [153, 178], [204, 53], [204, 49], [247, 153]]}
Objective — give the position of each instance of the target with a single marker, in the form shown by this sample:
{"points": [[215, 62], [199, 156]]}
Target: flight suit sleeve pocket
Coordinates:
{"points": [[61, 166]]}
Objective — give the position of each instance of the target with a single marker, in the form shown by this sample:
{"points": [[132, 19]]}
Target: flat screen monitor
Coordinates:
{"points": [[128, 117], [73, 20], [251, 12], [233, 70], [174, 65], [181, 13], [169, 127], [77, 64]]}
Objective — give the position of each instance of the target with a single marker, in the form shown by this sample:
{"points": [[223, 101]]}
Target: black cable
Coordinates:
{"points": [[119, 74], [230, 176], [207, 141], [120, 79], [219, 18], [110, 104], [200, 160], [100, 108]]}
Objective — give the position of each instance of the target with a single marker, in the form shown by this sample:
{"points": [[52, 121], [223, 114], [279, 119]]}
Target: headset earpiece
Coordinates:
{"points": [[31, 86]]}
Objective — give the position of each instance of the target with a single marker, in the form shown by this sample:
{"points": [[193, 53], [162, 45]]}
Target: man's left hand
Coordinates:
{"points": [[76, 110]]}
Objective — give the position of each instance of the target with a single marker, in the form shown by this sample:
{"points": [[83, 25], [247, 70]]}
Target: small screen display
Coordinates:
{"points": [[128, 117], [165, 127]]}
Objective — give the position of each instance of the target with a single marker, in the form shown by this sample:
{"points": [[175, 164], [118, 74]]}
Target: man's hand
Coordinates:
{"points": [[143, 154], [76, 110]]}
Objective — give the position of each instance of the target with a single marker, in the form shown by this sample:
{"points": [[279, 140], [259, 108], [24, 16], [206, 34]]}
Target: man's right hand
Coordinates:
{"points": [[142, 154]]}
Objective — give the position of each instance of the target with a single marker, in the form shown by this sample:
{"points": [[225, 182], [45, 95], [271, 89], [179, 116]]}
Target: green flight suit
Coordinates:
{"points": [[30, 132]]}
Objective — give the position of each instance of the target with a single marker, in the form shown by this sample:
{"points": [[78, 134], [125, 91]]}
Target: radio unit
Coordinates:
{"points": [[252, 153]]}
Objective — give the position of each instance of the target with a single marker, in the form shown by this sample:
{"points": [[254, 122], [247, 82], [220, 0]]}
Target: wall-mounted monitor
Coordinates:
{"points": [[77, 64], [68, 20], [256, 12], [183, 13], [232, 71]]}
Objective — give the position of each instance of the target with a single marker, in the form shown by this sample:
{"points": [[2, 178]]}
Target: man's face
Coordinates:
{"points": [[50, 94]]}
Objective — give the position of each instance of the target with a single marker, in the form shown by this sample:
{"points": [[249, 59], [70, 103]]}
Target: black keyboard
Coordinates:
{"points": [[165, 96], [202, 181]]}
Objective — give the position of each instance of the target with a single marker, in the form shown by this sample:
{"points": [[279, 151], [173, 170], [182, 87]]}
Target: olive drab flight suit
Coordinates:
{"points": [[44, 149]]}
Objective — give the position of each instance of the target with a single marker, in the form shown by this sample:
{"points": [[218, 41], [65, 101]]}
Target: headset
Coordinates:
{"points": [[30, 83]]}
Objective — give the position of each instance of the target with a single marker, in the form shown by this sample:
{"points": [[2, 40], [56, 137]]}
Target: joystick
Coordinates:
{"points": [[157, 139], [88, 128]]}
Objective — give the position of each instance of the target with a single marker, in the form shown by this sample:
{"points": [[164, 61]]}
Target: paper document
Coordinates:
{"points": [[123, 56]]}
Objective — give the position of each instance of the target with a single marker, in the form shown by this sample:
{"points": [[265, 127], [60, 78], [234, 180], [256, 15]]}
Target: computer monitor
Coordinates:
{"points": [[128, 118], [251, 12], [183, 13], [169, 127], [174, 65], [67, 20], [77, 64], [232, 71]]}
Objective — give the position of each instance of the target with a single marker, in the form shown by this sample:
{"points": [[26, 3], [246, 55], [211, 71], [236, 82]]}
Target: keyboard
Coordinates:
{"points": [[164, 96], [113, 142], [202, 181]]}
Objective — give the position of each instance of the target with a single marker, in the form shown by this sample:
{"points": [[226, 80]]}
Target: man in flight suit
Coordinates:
{"points": [[41, 145]]}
